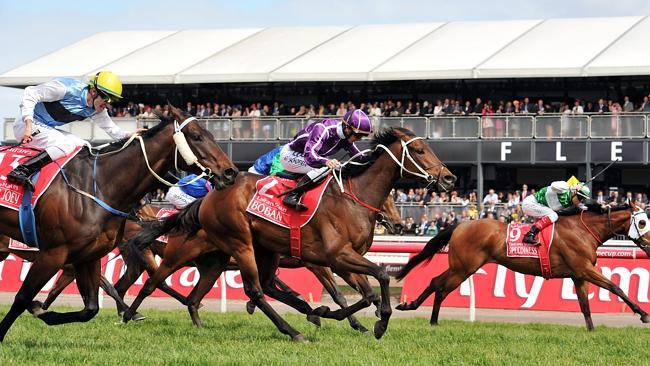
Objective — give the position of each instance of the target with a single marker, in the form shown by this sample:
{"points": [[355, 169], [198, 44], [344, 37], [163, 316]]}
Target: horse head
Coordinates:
{"points": [[200, 152], [390, 217], [639, 228], [415, 157]]}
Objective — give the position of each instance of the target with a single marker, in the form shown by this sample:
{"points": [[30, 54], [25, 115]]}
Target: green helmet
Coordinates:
{"points": [[584, 191]]}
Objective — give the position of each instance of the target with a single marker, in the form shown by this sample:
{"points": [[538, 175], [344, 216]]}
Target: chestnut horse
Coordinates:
{"points": [[341, 229], [74, 229], [197, 252], [573, 253]]}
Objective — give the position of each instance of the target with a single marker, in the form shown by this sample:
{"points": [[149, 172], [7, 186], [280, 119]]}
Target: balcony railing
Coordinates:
{"points": [[492, 127]]}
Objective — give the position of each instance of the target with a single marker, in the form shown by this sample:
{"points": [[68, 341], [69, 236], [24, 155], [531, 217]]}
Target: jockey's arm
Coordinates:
{"points": [[47, 92], [104, 121], [315, 141]]}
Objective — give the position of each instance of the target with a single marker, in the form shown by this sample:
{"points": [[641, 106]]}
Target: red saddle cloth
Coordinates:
{"points": [[517, 248], [11, 194], [267, 205], [162, 213]]}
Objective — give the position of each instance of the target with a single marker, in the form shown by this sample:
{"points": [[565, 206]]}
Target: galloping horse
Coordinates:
{"points": [[341, 229], [199, 252], [573, 254], [75, 229]]}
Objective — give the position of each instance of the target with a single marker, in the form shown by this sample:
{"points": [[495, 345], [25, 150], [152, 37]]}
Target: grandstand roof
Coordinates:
{"points": [[482, 49]]}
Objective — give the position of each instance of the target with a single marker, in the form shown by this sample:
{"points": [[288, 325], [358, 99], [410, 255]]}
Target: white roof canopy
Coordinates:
{"points": [[484, 49]]}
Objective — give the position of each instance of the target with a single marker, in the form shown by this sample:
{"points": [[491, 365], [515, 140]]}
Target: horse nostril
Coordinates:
{"points": [[451, 179], [230, 173]]}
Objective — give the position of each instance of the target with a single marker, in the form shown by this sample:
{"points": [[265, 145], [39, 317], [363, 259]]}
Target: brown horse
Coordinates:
{"points": [[341, 229], [175, 255], [76, 230], [573, 254]]}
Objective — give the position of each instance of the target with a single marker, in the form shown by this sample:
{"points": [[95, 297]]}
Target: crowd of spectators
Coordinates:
{"points": [[392, 108], [438, 211]]}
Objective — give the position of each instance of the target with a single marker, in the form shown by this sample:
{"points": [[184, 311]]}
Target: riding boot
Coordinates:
{"points": [[292, 199], [23, 172], [529, 238]]}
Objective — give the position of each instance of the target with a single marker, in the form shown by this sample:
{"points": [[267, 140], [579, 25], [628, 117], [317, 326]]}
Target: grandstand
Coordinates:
{"points": [[504, 60]]}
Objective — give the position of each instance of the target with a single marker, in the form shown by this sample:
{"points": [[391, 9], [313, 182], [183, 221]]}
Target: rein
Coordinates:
{"points": [[582, 221], [354, 197]]}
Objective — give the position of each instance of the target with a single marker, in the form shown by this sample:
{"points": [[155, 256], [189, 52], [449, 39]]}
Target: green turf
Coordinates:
{"points": [[168, 338]]}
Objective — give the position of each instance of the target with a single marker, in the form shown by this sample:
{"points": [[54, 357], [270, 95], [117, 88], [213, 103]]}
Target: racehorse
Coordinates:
{"points": [[77, 230], [340, 230], [177, 253], [573, 253]]}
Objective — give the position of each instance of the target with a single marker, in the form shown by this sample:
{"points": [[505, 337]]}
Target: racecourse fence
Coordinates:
{"points": [[492, 127]]}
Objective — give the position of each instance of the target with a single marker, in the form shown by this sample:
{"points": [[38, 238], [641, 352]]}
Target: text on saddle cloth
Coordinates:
{"points": [[161, 214], [517, 248], [267, 205], [11, 194]]}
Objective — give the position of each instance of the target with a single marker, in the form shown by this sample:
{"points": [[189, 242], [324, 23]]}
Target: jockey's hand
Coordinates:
{"points": [[27, 135], [333, 163], [582, 206]]}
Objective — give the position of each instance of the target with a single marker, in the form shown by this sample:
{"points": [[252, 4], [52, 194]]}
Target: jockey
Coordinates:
{"points": [[310, 150], [55, 103], [183, 194], [544, 203]]}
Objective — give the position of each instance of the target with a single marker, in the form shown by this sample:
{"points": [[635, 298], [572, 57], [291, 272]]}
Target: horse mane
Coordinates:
{"points": [[593, 207], [117, 144], [384, 137]]}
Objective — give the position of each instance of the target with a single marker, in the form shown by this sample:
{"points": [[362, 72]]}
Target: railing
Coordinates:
{"points": [[492, 127]]}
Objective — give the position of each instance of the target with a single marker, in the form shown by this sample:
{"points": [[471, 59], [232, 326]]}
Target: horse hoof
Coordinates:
{"points": [[380, 329], [36, 308], [314, 319], [645, 318], [138, 317], [403, 306], [299, 338], [378, 313], [321, 310], [360, 328], [250, 307]]}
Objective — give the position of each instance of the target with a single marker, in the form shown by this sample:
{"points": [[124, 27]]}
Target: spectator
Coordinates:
{"points": [[491, 198]]}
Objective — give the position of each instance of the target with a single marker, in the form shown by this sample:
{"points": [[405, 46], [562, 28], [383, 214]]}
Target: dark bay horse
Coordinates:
{"points": [[341, 229], [198, 252], [573, 254], [76, 230]]}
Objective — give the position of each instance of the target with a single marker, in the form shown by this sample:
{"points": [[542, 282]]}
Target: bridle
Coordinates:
{"points": [[421, 173]]}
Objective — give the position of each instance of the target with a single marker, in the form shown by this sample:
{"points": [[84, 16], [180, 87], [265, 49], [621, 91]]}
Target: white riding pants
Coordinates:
{"points": [[56, 142], [532, 208]]}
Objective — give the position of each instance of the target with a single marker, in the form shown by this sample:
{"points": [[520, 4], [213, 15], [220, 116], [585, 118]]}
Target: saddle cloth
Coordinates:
{"points": [[267, 205], [516, 248], [11, 194], [162, 213]]}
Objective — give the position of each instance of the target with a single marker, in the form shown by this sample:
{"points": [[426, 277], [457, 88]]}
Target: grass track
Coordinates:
{"points": [[168, 338]]}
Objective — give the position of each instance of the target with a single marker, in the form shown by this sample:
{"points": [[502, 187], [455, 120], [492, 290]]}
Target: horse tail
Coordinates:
{"points": [[184, 221], [432, 247]]}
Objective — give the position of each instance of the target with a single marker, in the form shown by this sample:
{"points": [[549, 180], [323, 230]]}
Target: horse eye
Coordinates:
{"points": [[641, 224], [419, 151], [197, 137]]}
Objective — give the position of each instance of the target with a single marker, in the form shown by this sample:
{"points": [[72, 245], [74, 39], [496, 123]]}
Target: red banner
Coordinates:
{"points": [[496, 287], [13, 271]]}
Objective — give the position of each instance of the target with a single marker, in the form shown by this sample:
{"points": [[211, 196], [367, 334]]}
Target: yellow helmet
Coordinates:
{"points": [[108, 85]]}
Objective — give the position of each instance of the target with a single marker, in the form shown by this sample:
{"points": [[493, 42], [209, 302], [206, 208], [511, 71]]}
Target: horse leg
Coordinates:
{"points": [[366, 290], [43, 268], [446, 283], [594, 276], [325, 276], [66, 279], [347, 260], [88, 277], [210, 267], [267, 264], [582, 291], [150, 285], [253, 289], [433, 286]]}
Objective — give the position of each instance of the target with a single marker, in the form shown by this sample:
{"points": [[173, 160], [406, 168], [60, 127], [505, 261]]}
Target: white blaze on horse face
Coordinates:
{"points": [[639, 224]]}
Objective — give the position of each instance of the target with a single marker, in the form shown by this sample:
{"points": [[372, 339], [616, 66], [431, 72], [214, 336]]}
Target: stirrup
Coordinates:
{"points": [[535, 241], [22, 177]]}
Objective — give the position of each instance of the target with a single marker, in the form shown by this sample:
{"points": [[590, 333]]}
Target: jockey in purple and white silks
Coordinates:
{"points": [[311, 150]]}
